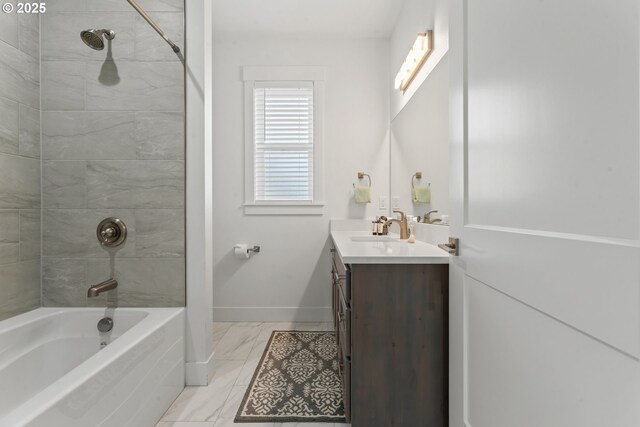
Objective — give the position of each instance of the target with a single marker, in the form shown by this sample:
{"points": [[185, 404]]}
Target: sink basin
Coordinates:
{"points": [[374, 239]]}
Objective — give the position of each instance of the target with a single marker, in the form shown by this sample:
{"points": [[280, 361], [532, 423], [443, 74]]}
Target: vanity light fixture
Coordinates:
{"points": [[415, 60]]}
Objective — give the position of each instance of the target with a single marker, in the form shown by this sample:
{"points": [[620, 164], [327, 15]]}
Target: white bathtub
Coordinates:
{"points": [[54, 373]]}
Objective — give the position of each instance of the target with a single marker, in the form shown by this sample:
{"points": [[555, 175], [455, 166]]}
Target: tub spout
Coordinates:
{"points": [[107, 285]]}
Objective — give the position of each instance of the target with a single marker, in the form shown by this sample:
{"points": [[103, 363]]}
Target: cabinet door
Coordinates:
{"points": [[345, 372], [335, 292], [344, 325], [399, 345]]}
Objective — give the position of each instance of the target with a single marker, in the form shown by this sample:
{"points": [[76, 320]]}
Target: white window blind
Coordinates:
{"points": [[283, 167]]}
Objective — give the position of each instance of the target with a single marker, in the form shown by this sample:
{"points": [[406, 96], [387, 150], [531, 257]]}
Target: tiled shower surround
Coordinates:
{"points": [[112, 128], [112, 145], [19, 164]]}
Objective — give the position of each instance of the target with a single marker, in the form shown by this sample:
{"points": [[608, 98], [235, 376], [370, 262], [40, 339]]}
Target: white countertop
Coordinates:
{"points": [[393, 251]]}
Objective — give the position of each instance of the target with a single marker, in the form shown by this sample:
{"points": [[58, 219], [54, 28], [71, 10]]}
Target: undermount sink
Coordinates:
{"points": [[374, 239]]}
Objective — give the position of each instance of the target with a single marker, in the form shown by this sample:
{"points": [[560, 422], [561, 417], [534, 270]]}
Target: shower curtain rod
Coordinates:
{"points": [[147, 18]]}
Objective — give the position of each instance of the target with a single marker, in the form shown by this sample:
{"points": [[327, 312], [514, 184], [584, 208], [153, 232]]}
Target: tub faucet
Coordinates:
{"points": [[107, 285], [402, 222]]}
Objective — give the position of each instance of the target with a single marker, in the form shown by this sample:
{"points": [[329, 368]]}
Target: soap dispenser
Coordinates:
{"points": [[383, 230], [412, 233]]}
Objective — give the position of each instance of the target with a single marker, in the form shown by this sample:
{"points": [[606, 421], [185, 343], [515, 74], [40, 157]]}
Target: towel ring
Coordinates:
{"points": [[417, 175], [361, 175]]}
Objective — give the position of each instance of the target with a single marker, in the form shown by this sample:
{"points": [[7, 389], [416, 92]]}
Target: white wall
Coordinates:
{"points": [[290, 278], [417, 16]]}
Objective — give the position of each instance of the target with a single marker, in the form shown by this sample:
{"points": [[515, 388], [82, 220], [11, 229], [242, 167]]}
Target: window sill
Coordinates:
{"points": [[284, 209]]}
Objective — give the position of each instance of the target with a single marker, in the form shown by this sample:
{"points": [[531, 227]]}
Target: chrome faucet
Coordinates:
{"points": [[427, 218], [402, 222], [96, 290]]}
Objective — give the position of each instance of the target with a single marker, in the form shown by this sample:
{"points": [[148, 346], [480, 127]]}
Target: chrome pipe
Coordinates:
{"points": [[150, 21]]}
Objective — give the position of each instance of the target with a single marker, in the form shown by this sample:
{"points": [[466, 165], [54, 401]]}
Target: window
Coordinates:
{"points": [[283, 141]]}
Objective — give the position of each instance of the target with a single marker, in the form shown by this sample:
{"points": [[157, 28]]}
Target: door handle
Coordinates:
{"points": [[453, 247]]}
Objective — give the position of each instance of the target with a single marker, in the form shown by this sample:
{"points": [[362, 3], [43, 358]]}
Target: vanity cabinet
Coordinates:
{"points": [[341, 290], [391, 323]]}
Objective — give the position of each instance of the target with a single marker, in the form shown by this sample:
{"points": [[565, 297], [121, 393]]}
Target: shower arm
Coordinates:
{"points": [[150, 21]]}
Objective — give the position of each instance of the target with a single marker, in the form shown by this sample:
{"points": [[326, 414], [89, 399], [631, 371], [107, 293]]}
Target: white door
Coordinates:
{"points": [[545, 296]]}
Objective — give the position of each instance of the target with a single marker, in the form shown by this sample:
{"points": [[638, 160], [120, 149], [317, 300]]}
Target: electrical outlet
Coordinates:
{"points": [[395, 202], [383, 202]]}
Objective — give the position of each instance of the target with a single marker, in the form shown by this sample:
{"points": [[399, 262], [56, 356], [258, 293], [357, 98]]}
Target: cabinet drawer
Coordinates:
{"points": [[337, 262], [342, 275], [344, 286], [335, 300], [343, 293]]}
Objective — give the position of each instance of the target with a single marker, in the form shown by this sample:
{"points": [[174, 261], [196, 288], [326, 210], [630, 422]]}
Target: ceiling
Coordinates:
{"points": [[305, 18]]}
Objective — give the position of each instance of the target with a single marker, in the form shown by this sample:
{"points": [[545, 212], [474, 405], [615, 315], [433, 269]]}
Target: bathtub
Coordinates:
{"points": [[58, 370]]}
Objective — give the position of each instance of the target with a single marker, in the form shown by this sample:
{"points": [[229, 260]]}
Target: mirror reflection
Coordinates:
{"points": [[420, 150]]}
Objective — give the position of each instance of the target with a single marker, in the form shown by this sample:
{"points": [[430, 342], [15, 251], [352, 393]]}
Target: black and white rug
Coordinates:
{"points": [[297, 380]]}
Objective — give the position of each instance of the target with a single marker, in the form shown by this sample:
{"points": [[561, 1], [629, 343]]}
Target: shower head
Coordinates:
{"points": [[93, 38]]}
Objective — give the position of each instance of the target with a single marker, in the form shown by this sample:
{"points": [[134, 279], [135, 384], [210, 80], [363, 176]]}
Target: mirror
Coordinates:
{"points": [[419, 143]]}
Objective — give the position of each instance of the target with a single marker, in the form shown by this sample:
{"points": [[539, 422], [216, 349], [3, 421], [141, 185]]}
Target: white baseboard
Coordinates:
{"points": [[272, 314], [199, 373]]}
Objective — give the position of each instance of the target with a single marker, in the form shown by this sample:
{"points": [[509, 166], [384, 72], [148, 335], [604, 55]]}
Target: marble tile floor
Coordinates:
{"points": [[238, 347]]}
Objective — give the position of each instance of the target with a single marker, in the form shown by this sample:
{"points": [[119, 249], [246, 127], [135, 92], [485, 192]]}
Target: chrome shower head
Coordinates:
{"points": [[93, 38]]}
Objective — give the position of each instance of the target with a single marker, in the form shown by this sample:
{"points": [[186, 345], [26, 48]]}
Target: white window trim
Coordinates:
{"points": [[251, 76]]}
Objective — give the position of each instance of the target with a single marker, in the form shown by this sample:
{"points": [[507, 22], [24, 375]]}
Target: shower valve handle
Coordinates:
{"points": [[109, 232]]}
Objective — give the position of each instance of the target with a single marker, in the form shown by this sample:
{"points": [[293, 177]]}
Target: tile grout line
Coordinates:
{"points": [[223, 335], [249, 355], [234, 382], [40, 80]]}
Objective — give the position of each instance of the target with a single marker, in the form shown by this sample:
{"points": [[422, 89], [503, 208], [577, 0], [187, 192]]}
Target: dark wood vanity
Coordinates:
{"points": [[391, 324]]}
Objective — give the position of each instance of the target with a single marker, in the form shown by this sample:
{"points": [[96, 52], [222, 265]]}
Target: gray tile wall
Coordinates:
{"points": [[112, 145], [19, 164]]}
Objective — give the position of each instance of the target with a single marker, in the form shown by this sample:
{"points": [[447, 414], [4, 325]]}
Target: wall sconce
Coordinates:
{"points": [[415, 60]]}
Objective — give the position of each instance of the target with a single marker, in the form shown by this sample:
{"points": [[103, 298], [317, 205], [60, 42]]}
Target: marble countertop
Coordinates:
{"points": [[356, 247]]}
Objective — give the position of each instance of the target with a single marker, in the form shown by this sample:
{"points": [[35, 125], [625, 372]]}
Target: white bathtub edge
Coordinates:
{"points": [[156, 318]]}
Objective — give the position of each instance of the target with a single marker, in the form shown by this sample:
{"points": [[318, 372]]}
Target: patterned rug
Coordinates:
{"points": [[297, 380]]}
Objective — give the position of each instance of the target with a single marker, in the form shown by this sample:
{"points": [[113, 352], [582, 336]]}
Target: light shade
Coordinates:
{"points": [[416, 58]]}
